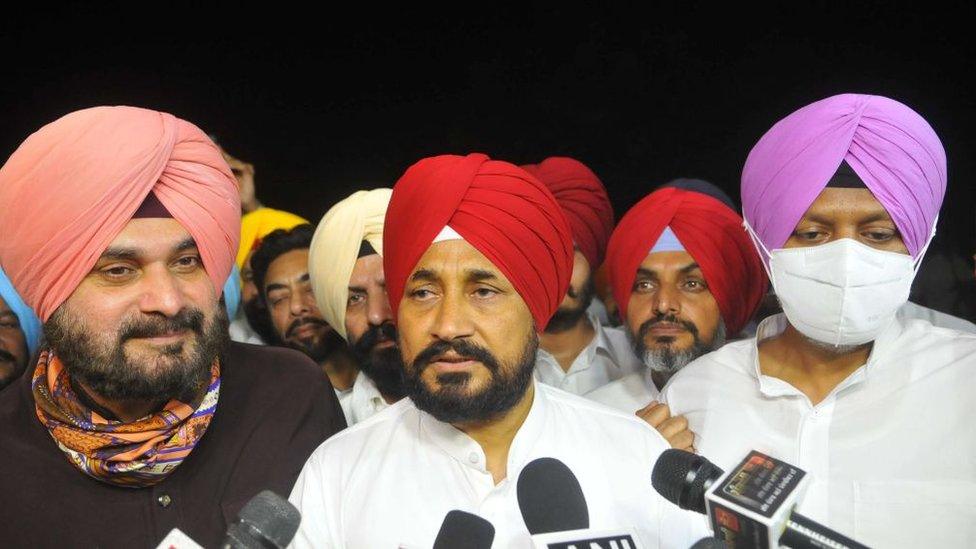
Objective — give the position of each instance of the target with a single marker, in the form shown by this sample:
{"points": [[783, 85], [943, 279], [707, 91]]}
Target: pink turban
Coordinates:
{"points": [[583, 199], [888, 145], [72, 186]]}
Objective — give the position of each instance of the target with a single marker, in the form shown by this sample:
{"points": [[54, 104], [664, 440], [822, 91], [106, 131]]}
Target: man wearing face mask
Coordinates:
{"points": [[841, 198]]}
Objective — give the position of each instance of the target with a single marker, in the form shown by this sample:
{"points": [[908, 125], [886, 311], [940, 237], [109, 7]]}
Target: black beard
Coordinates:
{"points": [[109, 373], [259, 319], [319, 351], [564, 319], [383, 366], [451, 404]]}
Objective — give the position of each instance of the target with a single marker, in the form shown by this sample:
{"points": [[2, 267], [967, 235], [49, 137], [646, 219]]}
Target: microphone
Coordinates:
{"points": [[709, 543], [554, 510], [752, 506], [267, 521], [461, 529], [550, 498]]}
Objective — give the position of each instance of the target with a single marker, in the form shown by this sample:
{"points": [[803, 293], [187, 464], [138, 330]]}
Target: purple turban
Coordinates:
{"points": [[890, 147]]}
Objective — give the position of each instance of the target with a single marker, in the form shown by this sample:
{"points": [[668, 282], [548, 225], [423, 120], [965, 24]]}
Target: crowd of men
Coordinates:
{"points": [[170, 347]]}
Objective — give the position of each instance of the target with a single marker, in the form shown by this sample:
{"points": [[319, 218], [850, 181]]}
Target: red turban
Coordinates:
{"points": [[505, 213], [72, 186], [711, 233], [583, 199]]}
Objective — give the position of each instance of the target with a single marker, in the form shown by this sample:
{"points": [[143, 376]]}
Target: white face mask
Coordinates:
{"points": [[843, 292]]}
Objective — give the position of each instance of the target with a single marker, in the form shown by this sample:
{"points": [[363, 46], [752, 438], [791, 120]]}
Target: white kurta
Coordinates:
{"points": [[936, 318], [891, 451], [390, 480], [629, 393], [608, 357], [362, 401]]}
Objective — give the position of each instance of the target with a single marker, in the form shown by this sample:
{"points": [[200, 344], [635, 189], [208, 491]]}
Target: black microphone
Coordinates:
{"points": [[684, 479], [710, 543], [550, 498], [461, 529], [267, 521]]}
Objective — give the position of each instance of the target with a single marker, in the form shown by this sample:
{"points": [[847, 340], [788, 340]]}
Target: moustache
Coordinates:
{"points": [[155, 326], [374, 336], [6, 357], [667, 319], [464, 349], [299, 322]]}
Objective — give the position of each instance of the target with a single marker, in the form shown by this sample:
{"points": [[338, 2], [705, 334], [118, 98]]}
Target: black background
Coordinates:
{"points": [[326, 100]]}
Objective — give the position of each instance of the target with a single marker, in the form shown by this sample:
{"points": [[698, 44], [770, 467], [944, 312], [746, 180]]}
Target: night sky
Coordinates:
{"points": [[327, 105]]}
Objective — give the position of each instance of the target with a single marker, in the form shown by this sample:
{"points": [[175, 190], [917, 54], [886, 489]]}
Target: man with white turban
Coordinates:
{"points": [[119, 230], [346, 270], [841, 199]]}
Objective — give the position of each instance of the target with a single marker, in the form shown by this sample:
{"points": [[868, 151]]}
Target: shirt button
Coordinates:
{"points": [[164, 500], [473, 457]]}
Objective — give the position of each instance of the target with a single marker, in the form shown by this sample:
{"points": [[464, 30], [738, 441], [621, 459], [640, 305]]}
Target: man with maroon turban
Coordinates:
{"points": [[119, 230], [477, 257], [841, 198], [686, 278], [576, 353]]}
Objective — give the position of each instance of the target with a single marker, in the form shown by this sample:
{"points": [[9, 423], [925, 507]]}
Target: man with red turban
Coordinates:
{"points": [[119, 230], [576, 353], [686, 278], [477, 257]]}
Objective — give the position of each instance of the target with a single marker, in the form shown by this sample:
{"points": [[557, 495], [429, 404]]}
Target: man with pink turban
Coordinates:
{"points": [[119, 229], [841, 199], [477, 257], [576, 352]]}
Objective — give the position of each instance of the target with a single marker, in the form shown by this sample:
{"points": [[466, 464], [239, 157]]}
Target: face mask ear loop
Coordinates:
{"points": [[925, 248], [761, 248]]}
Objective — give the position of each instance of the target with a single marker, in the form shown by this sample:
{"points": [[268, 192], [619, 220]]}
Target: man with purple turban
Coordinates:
{"points": [[576, 352], [119, 230], [477, 257], [841, 199]]}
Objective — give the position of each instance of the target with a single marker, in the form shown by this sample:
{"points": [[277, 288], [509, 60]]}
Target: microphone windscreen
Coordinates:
{"points": [[271, 517], [683, 478], [550, 498], [461, 529], [710, 543]]}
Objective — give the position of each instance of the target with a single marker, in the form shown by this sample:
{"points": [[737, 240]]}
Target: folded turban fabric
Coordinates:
{"points": [[583, 199], [709, 231], [30, 325], [703, 187], [335, 249], [888, 145], [260, 223], [500, 209], [72, 186], [232, 293]]}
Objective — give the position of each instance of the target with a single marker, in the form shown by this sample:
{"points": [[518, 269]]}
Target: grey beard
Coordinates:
{"points": [[667, 361]]}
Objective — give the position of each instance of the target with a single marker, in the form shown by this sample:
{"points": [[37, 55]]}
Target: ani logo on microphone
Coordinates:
{"points": [[588, 539]]}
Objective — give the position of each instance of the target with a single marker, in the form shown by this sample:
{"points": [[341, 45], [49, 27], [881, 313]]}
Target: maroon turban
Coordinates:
{"points": [[501, 210], [583, 199], [711, 233]]}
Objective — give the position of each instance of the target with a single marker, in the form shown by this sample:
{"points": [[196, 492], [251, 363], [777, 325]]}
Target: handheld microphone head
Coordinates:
{"points": [[267, 520], [683, 478], [710, 543], [461, 529], [550, 498]]}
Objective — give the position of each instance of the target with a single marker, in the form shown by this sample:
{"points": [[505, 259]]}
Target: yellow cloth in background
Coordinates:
{"points": [[258, 224]]}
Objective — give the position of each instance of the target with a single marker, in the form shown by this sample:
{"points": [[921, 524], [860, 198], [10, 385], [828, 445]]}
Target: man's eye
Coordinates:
{"points": [[10, 324], [695, 285], [188, 262], [485, 292], [879, 236], [808, 235], [642, 286], [421, 293], [118, 271], [356, 298]]}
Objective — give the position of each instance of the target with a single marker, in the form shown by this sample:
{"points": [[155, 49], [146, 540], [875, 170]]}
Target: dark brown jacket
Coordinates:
{"points": [[275, 407]]}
